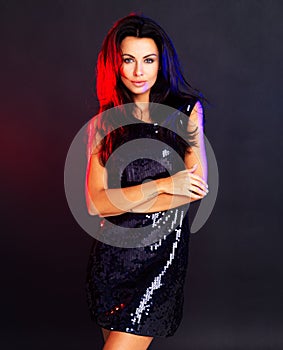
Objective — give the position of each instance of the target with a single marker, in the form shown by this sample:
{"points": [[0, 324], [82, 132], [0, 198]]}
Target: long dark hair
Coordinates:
{"points": [[170, 88]]}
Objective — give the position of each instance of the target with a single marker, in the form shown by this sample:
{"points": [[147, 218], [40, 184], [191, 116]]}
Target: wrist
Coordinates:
{"points": [[162, 185]]}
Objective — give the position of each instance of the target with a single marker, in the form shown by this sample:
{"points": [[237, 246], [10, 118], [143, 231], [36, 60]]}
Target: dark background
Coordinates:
{"points": [[232, 51]]}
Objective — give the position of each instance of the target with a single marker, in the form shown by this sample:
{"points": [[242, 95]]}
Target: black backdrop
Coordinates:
{"points": [[232, 51]]}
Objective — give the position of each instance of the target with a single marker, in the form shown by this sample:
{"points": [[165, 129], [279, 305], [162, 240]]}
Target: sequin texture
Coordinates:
{"points": [[140, 290]]}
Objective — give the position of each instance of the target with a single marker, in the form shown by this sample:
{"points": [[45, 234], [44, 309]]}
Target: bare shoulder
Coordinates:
{"points": [[197, 112], [94, 136], [93, 123], [196, 118]]}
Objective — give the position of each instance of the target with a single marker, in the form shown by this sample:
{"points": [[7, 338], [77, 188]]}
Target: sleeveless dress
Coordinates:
{"points": [[140, 290]]}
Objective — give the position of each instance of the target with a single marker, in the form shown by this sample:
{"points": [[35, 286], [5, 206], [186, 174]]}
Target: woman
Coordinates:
{"points": [[136, 293]]}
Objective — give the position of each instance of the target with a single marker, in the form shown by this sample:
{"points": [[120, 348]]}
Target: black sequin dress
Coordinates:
{"points": [[140, 290]]}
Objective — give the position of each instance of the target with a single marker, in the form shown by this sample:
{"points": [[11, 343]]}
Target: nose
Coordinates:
{"points": [[138, 69]]}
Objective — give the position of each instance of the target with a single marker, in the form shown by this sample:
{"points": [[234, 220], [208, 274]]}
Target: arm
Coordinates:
{"points": [[197, 155], [156, 195], [103, 201]]}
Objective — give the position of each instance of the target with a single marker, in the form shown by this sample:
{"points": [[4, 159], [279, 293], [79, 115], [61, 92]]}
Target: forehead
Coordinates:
{"points": [[135, 46]]}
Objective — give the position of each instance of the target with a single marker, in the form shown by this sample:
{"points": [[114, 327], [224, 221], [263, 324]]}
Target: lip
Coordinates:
{"points": [[138, 83]]}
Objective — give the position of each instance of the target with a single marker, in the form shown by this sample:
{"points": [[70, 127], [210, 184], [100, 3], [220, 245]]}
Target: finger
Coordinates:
{"points": [[199, 178], [200, 185], [194, 195], [198, 192], [187, 192], [199, 188], [185, 171], [193, 168]]}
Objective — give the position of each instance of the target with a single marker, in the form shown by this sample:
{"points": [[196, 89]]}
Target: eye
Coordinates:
{"points": [[149, 60], [128, 60]]}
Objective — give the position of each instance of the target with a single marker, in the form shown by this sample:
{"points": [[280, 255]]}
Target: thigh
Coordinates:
{"points": [[126, 341]]}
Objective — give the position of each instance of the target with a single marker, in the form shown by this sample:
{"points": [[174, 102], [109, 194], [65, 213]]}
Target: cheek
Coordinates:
{"points": [[154, 75], [125, 71], [154, 72], [122, 73]]}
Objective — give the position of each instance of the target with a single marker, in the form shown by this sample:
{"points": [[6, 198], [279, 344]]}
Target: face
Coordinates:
{"points": [[140, 66]]}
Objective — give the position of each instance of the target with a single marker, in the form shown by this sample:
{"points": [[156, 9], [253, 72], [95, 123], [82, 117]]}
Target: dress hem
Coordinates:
{"points": [[133, 332]]}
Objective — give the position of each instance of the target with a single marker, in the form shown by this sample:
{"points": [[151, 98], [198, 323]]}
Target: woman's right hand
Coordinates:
{"points": [[186, 183]]}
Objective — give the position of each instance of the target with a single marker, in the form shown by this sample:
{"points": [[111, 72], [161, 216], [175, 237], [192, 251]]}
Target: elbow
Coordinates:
{"points": [[91, 208], [96, 206], [93, 211], [90, 204]]}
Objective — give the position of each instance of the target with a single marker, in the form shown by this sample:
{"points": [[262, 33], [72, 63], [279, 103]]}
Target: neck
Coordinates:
{"points": [[142, 111], [143, 106]]}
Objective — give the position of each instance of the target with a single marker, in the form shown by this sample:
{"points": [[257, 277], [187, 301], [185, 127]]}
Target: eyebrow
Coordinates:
{"points": [[127, 54]]}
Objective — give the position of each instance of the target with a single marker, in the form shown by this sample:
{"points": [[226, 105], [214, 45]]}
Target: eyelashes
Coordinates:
{"points": [[131, 60]]}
